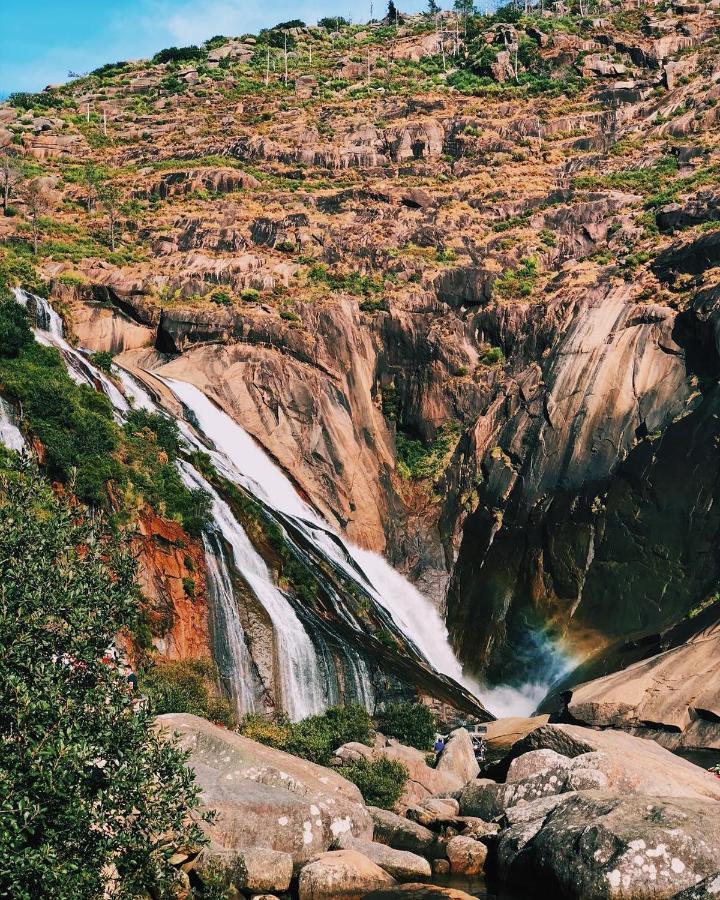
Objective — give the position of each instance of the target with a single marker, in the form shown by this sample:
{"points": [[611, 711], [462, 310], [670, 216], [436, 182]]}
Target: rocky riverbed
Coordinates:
{"points": [[573, 812]]}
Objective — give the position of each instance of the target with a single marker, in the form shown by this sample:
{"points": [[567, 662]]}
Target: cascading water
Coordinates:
{"points": [[10, 435], [244, 460], [232, 657], [307, 653], [49, 331], [301, 675]]}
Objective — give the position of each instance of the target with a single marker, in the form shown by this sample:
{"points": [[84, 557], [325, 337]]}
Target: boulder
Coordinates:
{"points": [[265, 870], [401, 864], [630, 763], [502, 734], [338, 874], [597, 844], [264, 797], [458, 757], [467, 856], [434, 812], [255, 869], [401, 833], [676, 693], [418, 892]]}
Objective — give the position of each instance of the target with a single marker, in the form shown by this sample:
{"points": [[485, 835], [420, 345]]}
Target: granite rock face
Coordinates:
{"points": [[596, 844], [267, 798]]}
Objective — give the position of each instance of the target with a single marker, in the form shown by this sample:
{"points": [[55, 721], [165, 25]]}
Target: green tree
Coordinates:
{"points": [[433, 8], [91, 798]]}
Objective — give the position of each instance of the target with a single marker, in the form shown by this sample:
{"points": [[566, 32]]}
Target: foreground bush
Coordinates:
{"points": [[381, 781], [187, 686], [86, 784], [410, 723]]}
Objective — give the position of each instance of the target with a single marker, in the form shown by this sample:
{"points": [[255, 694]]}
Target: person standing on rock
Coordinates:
{"points": [[438, 747]]}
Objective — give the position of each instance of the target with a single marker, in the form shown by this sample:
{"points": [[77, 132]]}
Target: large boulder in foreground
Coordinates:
{"points": [[267, 798], [341, 875], [596, 844]]}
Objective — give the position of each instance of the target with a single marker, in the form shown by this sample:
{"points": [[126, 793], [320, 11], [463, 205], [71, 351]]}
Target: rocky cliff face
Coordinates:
{"points": [[478, 331]]}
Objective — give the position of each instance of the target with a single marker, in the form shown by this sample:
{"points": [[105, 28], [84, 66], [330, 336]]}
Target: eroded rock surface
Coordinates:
{"points": [[267, 798]]}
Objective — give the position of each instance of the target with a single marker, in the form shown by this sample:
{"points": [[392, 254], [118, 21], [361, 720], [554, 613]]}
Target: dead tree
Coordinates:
{"points": [[37, 203]]}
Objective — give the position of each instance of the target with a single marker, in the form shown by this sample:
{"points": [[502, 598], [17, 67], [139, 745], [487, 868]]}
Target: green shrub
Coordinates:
{"points": [[265, 731], [78, 762], [381, 781], [186, 686], [490, 356], [315, 738], [415, 460], [409, 723], [222, 298], [250, 295], [103, 360], [179, 54]]}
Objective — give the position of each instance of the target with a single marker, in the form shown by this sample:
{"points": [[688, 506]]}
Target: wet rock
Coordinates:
{"points": [[467, 856], [338, 874], [596, 844], [264, 797]]}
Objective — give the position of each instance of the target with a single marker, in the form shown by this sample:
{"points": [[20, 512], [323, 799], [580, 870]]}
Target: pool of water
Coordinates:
{"points": [[702, 758], [487, 890]]}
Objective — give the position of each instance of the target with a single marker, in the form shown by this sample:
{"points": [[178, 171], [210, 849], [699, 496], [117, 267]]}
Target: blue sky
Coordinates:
{"points": [[41, 41]]}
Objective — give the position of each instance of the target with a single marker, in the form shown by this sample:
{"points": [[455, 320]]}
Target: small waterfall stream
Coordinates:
{"points": [[10, 434], [307, 654]]}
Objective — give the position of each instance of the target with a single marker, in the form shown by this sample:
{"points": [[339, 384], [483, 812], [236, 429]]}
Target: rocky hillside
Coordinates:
{"points": [[459, 279]]}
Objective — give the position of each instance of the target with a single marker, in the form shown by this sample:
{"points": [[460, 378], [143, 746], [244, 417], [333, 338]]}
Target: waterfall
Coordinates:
{"points": [[230, 652], [302, 679], [243, 461], [10, 435], [307, 649], [49, 331]]}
